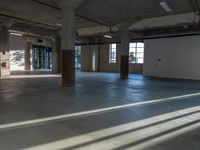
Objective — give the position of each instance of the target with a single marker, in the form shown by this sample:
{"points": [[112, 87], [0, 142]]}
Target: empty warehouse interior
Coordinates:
{"points": [[99, 75]]}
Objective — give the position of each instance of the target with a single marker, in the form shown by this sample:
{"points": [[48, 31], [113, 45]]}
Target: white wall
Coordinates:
{"points": [[87, 62], [17, 50], [16, 42], [173, 57]]}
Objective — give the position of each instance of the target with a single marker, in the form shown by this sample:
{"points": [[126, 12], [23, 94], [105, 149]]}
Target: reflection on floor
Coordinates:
{"points": [[101, 112], [32, 72]]}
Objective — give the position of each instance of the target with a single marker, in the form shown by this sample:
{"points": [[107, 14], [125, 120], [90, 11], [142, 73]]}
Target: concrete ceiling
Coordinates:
{"points": [[102, 12], [115, 11]]}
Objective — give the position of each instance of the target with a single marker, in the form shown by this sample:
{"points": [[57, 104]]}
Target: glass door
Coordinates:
{"points": [[41, 57]]}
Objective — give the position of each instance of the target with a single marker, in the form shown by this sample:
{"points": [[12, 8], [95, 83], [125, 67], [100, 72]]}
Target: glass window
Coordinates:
{"points": [[78, 57], [113, 53], [140, 60], [132, 44], [140, 45], [140, 50], [41, 57], [136, 53]]}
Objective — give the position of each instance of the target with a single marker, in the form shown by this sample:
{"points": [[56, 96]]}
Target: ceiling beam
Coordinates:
{"points": [[29, 21], [83, 17], [197, 5], [45, 4]]}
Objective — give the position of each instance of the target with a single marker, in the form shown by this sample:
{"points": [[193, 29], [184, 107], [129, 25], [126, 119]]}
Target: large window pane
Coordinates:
{"points": [[140, 60], [140, 55], [132, 57], [78, 57], [136, 52], [41, 57], [113, 53], [140, 44], [114, 46], [132, 50], [132, 45], [140, 50]]}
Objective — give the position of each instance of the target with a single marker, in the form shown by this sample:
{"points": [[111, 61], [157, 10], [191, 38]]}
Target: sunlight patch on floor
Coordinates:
{"points": [[47, 120], [138, 134]]}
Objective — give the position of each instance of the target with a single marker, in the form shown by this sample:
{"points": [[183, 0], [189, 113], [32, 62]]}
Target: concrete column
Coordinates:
{"points": [[94, 57], [28, 55], [124, 60], [68, 41], [68, 47], [56, 56], [4, 52]]}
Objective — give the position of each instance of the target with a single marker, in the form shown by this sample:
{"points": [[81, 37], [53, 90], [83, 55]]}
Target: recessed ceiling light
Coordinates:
{"points": [[17, 34], [108, 36], [165, 6]]}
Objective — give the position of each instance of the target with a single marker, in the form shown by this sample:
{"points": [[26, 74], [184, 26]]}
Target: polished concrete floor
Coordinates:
{"points": [[100, 113]]}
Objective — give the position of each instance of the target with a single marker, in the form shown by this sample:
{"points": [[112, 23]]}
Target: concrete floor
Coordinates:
{"points": [[100, 113]]}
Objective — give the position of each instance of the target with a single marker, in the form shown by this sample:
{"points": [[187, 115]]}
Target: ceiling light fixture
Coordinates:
{"points": [[16, 34], [165, 6], [58, 24], [108, 36]]}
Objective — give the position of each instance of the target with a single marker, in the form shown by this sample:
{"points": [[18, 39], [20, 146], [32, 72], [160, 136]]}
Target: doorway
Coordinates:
{"points": [[41, 57]]}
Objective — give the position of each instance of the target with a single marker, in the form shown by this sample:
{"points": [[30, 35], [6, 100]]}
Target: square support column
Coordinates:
{"points": [[28, 55], [56, 55], [124, 60], [68, 48], [68, 41], [4, 52]]}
